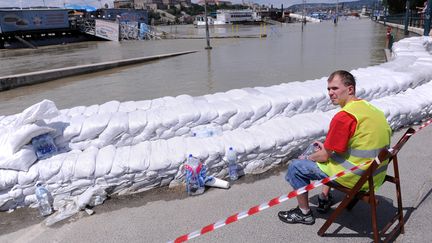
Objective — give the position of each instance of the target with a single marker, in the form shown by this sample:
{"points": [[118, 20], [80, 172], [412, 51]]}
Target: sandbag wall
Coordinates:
{"points": [[138, 145]]}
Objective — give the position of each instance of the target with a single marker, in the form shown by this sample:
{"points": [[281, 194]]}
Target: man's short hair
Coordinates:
{"points": [[347, 78]]}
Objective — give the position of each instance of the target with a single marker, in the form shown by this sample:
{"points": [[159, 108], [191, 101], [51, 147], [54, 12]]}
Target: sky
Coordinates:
{"points": [[99, 3]]}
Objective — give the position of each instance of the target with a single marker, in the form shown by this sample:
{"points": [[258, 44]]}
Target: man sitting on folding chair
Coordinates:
{"points": [[357, 133]]}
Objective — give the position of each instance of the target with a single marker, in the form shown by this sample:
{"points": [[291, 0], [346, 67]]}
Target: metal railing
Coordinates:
{"points": [[414, 19]]}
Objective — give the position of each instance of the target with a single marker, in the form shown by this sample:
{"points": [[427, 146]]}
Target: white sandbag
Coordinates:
{"points": [[76, 111], [45, 109], [149, 132], [22, 136], [128, 106], [91, 110], [8, 179], [158, 157], [85, 164], [157, 103], [8, 120], [266, 142], [187, 114], [168, 117], [28, 177], [143, 104], [120, 164], [244, 112], [68, 166], [59, 124], [224, 109], [206, 113], [236, 94], [50, 167], [192, 146], [137, 121], [92, 127], [104, 161], [259, 105], [184, 98], [118, 124], [73, 129], [21, 160], [109, 107], [139, 159], [124, 140], [175, 153], [278, 102]]}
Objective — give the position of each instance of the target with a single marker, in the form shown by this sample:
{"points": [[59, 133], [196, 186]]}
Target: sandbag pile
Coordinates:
{"points": [[138, 145]]}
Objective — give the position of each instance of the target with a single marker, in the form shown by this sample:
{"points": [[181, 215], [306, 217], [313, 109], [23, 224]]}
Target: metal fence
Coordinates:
{"points": [[414, 19]]}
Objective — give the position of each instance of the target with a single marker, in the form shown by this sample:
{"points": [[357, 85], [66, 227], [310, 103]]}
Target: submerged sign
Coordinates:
{"points": [[107, 30]]}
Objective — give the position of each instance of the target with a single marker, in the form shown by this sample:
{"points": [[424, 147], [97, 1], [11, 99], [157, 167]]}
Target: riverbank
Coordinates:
{"points": [[19, 80]]}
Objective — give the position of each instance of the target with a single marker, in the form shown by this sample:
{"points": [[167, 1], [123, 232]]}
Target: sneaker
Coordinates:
{"points": [[324, 205], [295, 216]]}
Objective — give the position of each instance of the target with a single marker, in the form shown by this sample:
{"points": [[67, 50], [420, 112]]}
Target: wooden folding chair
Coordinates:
{"points": [[353, 195]]}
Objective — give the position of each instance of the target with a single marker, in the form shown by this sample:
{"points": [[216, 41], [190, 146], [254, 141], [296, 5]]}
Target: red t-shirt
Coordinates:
{"points": [[342, 128]]}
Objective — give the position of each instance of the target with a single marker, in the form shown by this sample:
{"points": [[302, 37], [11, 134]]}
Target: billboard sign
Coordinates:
{"points": [[107, 29], [33, 19], [126, 15]]}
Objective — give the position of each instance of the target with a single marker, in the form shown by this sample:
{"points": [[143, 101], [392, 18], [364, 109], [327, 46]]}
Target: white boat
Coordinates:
{"points": [[200, 21], [228, 17]]}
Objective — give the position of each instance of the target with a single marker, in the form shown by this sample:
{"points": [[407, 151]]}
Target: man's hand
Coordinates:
{"points": [[321, 155]]}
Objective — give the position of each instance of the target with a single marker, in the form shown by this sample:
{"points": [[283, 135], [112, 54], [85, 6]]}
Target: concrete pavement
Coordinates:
{"points": [[163, 214]]}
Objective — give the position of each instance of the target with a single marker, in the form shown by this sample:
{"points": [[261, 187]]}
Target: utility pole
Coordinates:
{"points": [[385, 11], [337, 12], [427, 21], [208, 47], [303, 15], [407, 5]]}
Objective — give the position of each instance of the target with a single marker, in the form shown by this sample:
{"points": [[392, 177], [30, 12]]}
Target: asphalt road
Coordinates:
{"points": [[163, 214]]}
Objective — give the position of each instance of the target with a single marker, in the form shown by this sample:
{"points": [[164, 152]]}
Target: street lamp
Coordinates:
{"points": [[208, 47]]}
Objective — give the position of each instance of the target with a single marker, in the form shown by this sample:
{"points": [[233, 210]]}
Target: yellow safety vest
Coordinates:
{"points": [[371, 135]]}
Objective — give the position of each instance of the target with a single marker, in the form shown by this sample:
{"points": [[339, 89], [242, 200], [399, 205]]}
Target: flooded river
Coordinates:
{"points": [[287, 54]]}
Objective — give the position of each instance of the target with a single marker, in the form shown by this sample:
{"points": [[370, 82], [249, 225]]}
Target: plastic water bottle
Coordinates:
{"points": [[312, 148], [44, 146], [42, 195], [195, 176], [232, 164], [204, 132]]}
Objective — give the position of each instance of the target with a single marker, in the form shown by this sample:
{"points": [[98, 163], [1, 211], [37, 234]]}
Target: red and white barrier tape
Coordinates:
{"points": [[275, 201]]}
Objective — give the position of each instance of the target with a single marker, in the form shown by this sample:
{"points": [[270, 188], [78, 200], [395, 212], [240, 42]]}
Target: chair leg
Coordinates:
{"points": [[398, 194], [373, 204]]}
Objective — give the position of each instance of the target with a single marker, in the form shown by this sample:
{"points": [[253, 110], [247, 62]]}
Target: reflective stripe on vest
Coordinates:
{"points": [[347, 165], [365, 153]]}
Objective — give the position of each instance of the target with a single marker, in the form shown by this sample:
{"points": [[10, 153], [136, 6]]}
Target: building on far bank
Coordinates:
{"points": [[123, 4], [160, 4], [149, 4], [214, 2]]}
